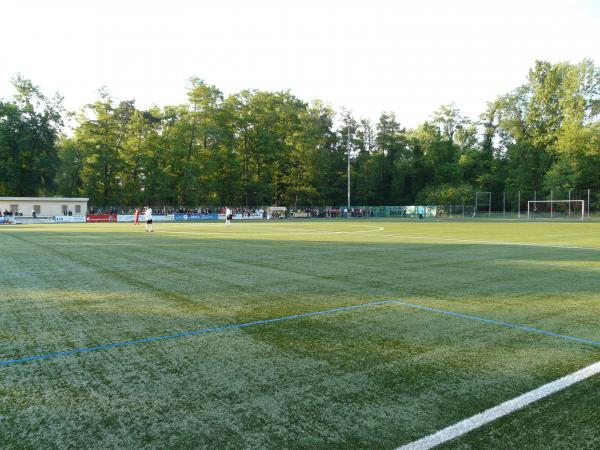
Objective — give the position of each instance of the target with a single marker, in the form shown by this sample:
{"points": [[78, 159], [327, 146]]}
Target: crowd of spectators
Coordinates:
{"points": [[246, 212], [327, 212], [331, 212], [109, 210], [8, 213]]}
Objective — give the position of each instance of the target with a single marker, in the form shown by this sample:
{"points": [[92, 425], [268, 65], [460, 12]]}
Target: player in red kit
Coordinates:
{"points": [[137, 216]]}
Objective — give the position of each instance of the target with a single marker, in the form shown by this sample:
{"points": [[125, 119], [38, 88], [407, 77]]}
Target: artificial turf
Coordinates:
{"points": [[373, 377]]}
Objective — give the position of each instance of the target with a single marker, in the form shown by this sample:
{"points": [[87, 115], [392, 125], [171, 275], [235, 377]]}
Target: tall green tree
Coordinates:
{"points": [[260, 148], [68, 177], [30, 127], [103, 131]]}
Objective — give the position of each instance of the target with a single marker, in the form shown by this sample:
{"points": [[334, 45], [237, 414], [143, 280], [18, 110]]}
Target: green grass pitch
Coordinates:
{"points": [[375, 377]]}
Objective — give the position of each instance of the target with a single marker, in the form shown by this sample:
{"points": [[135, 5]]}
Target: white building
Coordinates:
{"points": [[44, 206]]}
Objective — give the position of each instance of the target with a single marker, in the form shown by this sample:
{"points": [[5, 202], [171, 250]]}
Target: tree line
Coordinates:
{"points": [[271, 148]]}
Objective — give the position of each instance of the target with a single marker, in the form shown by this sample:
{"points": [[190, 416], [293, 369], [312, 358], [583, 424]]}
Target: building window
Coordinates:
{"points": [[77, 209], [37, 209]]}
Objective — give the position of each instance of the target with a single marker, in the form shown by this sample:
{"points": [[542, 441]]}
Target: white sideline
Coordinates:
{"points": [[478, 241], [501, 410]]}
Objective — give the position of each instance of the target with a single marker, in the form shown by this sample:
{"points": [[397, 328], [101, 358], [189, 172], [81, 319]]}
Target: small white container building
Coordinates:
{"points": [[44, 206]]}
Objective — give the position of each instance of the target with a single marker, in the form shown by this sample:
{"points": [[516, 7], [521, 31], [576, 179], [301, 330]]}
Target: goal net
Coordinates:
{"points": [[556, 209], [483, 204]]}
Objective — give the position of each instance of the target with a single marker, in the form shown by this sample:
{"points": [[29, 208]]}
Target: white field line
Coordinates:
{"points": [[282, 231], [377, 229], [478, 420], [477, 241]]}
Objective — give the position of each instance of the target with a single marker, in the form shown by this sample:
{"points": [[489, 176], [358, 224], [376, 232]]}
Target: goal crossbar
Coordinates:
{"points": [[531, 212]]}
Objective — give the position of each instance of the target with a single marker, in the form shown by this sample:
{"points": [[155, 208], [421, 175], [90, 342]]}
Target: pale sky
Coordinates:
{"points": [[370, 56]]}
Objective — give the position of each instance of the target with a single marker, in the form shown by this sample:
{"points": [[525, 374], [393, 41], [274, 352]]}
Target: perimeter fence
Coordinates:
{"points": [[519, 204]]}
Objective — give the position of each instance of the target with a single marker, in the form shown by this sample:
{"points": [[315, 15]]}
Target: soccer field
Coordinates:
{"points": [[385, 332]]}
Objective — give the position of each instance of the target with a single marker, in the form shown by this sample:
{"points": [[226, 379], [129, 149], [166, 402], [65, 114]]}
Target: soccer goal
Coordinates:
{"points": [[483, 204], [556, 209]]}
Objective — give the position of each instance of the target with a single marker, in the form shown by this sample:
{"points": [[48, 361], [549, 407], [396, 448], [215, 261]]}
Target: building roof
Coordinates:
{"points": [[44, 199]]}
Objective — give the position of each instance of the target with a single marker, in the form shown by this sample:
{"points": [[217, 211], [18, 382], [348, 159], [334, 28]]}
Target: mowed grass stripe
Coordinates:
{"points": [[292, 274], [286, 318], [401, 262], [359, 380], [220, 329]]}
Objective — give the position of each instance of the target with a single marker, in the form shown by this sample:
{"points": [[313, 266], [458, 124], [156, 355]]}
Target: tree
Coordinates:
{"points": [[103, 130], [536, 121], [68, 177], [393, 157], [259, 148], [30, 127]]}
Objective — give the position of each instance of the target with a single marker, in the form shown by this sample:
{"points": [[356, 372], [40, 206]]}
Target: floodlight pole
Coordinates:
{"points": [[348, 144]]}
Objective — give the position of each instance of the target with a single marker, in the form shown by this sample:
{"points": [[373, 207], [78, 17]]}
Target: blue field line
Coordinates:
{"points": [[292, 317], [189, 333], [498, 322]]}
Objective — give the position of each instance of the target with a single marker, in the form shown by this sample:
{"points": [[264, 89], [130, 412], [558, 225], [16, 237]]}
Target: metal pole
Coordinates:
{"points": [[490, 205], [348, 164], [588, 208], [475, 210], [504, 204], [569, 203], [519, 213], [551, 203]]}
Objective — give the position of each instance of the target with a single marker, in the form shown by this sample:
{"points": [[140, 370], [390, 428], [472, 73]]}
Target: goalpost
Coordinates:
{"points": [[478, 202], [556, 209]]}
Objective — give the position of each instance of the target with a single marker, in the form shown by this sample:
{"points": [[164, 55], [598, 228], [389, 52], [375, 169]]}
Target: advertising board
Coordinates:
{"points": [[242, 217], [101, 218], [142, 218], [195, 217], [69, 219]]}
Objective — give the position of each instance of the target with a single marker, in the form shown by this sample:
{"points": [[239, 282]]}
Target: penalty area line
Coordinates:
{"points": [[219, 329], [472, 423], [223, 328], [500, 323]]}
